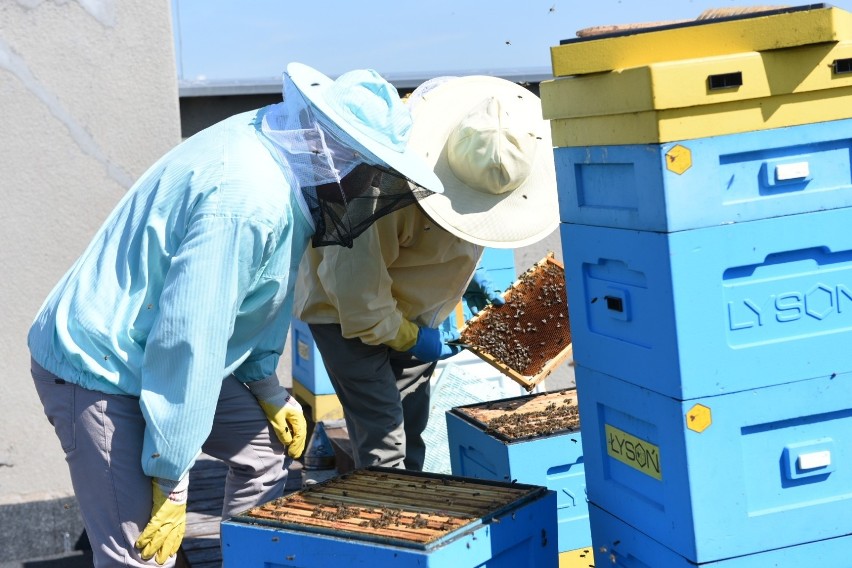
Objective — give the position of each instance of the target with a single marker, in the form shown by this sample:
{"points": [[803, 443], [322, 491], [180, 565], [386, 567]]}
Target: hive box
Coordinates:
{"points": [[658, 126], [713, 310], [554, 461], [519, 533], [704, 182], [308, 368], [619, 545], [775, 29], [684, 83], [723, 476], [696, 98]]}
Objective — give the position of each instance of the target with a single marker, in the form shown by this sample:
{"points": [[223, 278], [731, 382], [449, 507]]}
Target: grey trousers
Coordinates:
{"points": [[101, 436], [385, 398]]}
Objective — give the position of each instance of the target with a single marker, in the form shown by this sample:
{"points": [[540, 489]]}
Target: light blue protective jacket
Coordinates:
{"points": [[189, 279]]}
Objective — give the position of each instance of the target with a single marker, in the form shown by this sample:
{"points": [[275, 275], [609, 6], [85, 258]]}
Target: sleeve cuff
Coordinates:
{"points": [[405, 338], [266, 389]]}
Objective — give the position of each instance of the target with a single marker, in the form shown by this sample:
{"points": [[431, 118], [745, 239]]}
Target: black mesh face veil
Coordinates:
{"points": [[345, 189], [343, 211]]}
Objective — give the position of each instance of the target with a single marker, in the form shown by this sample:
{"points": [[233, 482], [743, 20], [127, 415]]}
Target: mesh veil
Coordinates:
{"points": [[344, 191]]}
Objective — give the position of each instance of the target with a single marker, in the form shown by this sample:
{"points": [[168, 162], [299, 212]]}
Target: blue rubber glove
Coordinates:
{"points": [[481, 292], [431, 344]]}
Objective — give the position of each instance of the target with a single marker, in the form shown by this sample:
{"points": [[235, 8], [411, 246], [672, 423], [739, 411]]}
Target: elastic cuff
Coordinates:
{"points": [[405, 338], [169, 486], [267, 388]]}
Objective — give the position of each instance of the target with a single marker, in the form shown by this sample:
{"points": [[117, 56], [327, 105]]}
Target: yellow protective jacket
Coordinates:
{"points": [[404, 267]]}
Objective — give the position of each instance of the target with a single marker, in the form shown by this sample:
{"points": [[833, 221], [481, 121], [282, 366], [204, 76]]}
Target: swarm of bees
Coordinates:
{"points": [[533, 416], [550, 420]]}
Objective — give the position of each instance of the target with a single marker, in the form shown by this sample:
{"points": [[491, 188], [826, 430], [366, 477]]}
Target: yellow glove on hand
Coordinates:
{"points": [[284, 413], [165, 530]]}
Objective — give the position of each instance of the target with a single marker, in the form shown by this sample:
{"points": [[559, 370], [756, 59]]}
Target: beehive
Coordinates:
{"points": [[526, 417], [530, 335], [621, 546], [704, 182], [715, 310], [720, 476], [704, 78], [386, 517], [308, 367], [782, 28], [533, 439]]}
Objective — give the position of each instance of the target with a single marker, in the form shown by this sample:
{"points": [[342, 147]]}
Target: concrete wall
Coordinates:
{"points": [[88, 100]]}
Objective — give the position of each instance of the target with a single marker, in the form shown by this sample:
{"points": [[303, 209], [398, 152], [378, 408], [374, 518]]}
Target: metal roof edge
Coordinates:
{"points": [[265, 86]]}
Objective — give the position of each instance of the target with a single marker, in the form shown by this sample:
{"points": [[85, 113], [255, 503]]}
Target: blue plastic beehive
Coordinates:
{"points": [[618, 545], [721, 476], [518, 534], [500, 264], [554, 461], [308, 367], [714, 310], [707, 181]]}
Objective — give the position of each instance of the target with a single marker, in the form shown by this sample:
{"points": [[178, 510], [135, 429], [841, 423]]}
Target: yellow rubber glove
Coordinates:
{"points": [[164, 532], [405, 338], [283, 412]]}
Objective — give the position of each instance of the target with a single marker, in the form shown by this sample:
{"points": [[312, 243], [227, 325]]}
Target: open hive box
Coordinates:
{"points": [[530, 335], [390, 517], [534, 439], [389, 506], [526, 417]]}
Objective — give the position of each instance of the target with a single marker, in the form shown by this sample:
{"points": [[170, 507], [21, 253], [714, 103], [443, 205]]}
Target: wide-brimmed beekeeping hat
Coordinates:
{"points": [[487, 142], [368, 110]]}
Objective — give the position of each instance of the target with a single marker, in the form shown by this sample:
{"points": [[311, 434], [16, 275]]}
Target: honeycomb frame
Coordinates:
{"points": [[529, 336]]}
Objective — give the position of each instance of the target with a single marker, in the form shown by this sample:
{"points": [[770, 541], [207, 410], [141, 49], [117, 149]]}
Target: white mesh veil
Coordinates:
{"points": [[314, 158], [344, 192]]}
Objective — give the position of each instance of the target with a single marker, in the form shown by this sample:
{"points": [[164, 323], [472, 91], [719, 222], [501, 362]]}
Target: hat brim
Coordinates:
{"points": [[510, 220], [313, 85]]}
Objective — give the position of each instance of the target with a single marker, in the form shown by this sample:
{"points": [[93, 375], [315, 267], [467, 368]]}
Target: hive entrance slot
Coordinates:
{"points": [[724, 81], [842, 66]]}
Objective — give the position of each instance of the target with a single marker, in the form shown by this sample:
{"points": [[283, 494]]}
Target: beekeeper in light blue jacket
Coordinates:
{"points": [[162, 339]]}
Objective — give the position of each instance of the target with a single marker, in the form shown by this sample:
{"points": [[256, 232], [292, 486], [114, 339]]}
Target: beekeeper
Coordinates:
{"points": [[163, 338], [374, 310]]}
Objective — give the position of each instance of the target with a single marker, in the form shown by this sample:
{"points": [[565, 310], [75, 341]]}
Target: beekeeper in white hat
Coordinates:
{"points": [[163, 338], [374, 310]]}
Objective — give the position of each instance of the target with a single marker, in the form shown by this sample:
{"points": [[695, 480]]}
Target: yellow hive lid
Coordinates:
{"points": [[715, 32], [699, 82]]}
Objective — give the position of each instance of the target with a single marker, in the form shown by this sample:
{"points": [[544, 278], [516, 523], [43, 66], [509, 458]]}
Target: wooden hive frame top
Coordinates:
{"points": [[412, 509]]}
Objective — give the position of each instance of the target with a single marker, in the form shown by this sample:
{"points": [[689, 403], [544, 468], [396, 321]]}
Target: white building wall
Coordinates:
{"points": [[88, 100]]}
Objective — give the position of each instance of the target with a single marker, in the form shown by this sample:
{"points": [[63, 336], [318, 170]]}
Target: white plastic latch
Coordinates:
{"points": [[797, 170], [814, 460]]}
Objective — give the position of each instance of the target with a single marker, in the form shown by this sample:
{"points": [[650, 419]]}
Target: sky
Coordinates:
{"points": [[246, 40]]}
